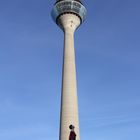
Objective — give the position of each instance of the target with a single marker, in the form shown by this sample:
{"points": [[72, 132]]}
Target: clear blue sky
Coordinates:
{"points": [[108, 70]]}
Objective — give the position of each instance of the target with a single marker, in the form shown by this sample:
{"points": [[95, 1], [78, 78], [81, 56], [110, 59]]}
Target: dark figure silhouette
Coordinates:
{"points": [[72, 135]]}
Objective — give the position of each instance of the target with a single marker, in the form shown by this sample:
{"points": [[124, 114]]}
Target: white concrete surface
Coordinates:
{"points": [[69, 103]]}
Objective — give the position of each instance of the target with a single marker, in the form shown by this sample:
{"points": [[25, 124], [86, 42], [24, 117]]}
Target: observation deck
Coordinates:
{"points": [[68, 6]]}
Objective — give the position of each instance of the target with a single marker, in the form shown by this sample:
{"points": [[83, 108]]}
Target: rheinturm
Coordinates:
{"points": [[69, 15]]}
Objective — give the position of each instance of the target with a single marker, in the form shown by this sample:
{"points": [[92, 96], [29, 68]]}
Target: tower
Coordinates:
{"points": [[69, 15]]}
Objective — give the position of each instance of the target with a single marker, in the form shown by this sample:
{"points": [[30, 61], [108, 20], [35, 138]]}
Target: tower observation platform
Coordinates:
{"points": [[68, 6]]}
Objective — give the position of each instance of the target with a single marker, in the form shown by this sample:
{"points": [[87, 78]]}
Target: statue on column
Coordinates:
{"points": [[72, 135]]}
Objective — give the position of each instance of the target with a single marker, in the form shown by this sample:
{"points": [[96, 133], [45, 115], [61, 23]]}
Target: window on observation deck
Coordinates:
{"points": [[69, 6]]}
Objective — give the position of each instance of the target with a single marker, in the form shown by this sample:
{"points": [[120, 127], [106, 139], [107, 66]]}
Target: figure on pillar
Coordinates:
{"points": [[72, 135]]}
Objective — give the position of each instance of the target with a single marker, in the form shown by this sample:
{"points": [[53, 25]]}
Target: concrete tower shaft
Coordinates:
{"points": [[69, 103], [69, 22]]}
